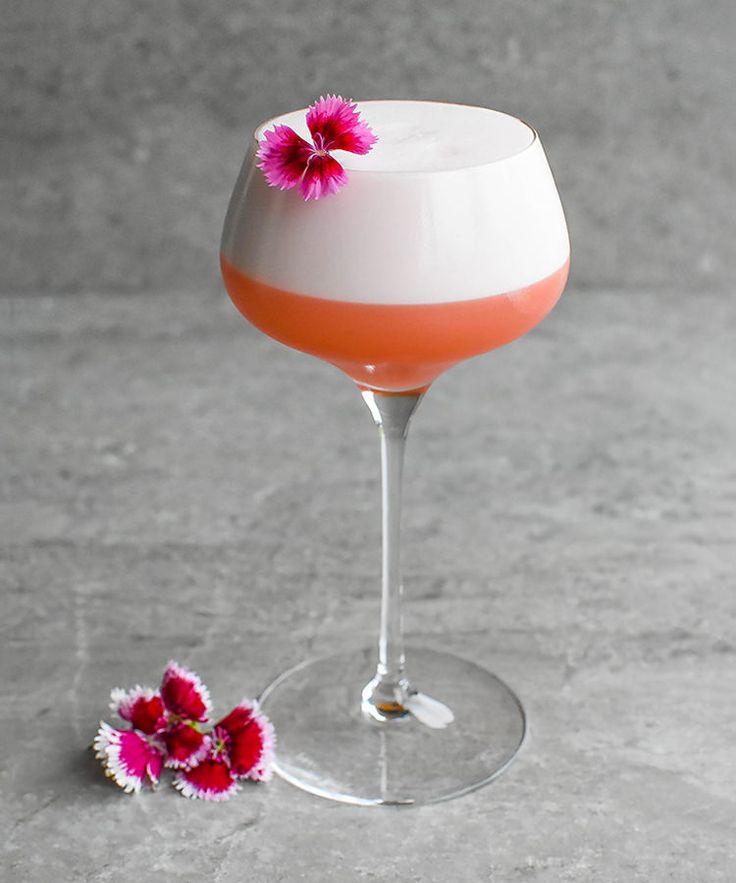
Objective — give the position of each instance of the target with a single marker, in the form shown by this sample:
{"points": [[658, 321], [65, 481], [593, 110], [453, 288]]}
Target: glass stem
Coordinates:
{"points": [[384, 695]]}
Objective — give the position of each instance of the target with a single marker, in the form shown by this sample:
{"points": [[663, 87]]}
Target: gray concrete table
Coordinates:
{"points": [[176, 485]]}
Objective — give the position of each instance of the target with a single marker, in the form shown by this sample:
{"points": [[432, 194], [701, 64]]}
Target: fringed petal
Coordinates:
{"points": [[128, 757], [209, 780], [141, 707], [251, 743], [185, 745], [335, 124], [184, 694], [283, 156], [323, 175]]}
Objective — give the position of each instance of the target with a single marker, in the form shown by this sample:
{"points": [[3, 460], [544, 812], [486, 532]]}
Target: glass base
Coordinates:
{"points": [[328, 746]]}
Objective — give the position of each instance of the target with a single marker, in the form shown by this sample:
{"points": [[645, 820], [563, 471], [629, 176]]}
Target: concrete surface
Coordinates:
{"points": [[124, 124], [176, 485]]}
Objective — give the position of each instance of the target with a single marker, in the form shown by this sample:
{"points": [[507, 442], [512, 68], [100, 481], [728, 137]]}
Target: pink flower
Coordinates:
{"points": [[165, 729], [287, 159], [141, 707], [240, 746], [184, 694], [129, 757]]}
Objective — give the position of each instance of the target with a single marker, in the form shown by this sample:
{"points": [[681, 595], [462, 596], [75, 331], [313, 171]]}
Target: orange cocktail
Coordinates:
{"points": [[441, 241], [392, 347]]}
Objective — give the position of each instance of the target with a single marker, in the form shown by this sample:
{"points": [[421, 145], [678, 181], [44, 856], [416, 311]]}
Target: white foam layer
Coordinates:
{"points": [[440, 212]]}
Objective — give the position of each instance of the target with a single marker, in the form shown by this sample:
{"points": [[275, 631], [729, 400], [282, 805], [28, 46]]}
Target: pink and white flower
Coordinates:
{"points": [[288, 160], [185, 745], [184, 694], [167, 729], [129, 757], [141, 707], [240, 747]]}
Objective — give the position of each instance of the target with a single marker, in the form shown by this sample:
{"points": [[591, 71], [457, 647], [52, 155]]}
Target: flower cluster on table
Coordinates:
{"points": [[169, 728]]}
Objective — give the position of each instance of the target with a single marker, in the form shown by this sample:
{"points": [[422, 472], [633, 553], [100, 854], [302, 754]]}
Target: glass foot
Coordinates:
{"points": [[329, 746]]}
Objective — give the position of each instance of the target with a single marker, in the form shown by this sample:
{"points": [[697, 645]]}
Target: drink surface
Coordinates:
{"points": [[447, 241], [427, 136]]}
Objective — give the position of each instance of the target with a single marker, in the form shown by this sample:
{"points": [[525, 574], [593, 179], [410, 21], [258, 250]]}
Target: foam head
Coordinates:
{"points": [[427, 136], [453, 203]]}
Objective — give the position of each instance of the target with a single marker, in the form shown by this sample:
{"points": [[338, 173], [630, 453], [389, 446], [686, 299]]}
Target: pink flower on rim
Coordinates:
{"points": [[287, 159], [240, 746]]}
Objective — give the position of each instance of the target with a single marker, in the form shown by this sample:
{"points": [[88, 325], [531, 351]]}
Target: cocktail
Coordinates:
{"points": [[445, 241]]}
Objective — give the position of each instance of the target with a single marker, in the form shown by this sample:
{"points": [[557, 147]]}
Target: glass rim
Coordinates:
{"points": [[261, 127]]}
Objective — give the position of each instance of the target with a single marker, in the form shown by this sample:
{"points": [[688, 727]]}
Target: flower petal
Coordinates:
{"points": [[184, 694], [141, 706], [283, 156], [210, 780], [323, 175], [252, 741], [185, 745], [128, 757], [335, 124]]}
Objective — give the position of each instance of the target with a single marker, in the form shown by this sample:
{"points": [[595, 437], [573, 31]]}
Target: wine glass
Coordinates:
{"points": [[447, 241]]}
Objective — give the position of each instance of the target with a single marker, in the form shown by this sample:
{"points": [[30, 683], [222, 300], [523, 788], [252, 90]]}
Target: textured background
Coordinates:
{"points": [[174, 493], [168, 490], [125, 122]]}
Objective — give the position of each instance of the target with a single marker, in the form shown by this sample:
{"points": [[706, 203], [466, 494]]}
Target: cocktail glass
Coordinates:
{"points": [[448, 241]]}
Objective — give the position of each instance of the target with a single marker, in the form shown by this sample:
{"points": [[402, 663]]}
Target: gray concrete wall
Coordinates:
{"points": [[124, 122]]}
